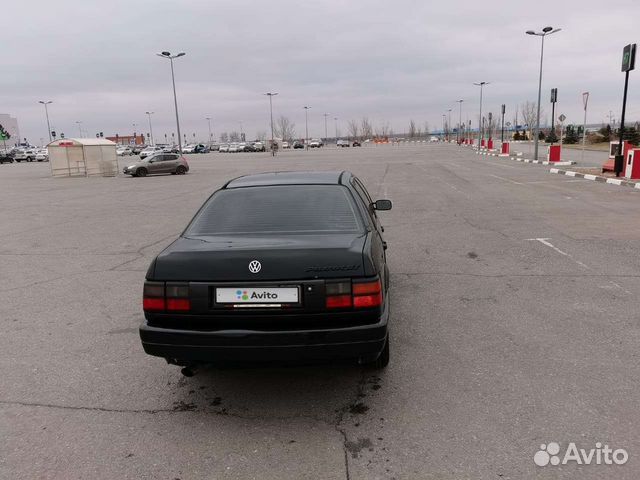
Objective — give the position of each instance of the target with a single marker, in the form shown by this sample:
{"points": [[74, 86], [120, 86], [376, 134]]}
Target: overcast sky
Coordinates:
{"points": [[389, 61]]}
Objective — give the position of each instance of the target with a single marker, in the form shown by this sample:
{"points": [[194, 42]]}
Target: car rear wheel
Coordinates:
{"points": [[181, 170], [29, 159], [142, 172]]}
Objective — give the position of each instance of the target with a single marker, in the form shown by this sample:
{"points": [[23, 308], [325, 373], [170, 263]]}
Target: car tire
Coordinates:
{"points": [[383, 360], [141, 172], [181, 170], [29, 159]]}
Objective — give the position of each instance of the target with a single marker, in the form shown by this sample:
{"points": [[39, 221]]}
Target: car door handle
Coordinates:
{"points": [[381, 228], [384, 245]]}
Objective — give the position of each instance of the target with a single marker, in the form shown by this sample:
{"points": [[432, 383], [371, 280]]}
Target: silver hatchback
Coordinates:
{"points": [[158, 163]]}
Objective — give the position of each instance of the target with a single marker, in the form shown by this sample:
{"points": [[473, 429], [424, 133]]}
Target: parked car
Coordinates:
{"points": [[6, 157], [298, 144], [214, 147], [171, 149], [224, 148], [234, 148], [260, 288], [136, 149], [188, 148], [158, 163], [28, 154], [42, 155], [356, 143], [149, 151], [122, 151], [286, 145], [343, 143], [315, 143], [201, 148], [259, 147]]}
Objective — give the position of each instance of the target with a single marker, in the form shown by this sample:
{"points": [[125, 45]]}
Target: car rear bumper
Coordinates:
{"points": [[188, 346]]}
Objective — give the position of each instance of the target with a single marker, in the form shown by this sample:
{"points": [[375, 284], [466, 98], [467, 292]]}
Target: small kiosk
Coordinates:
{"points": [[83, 157]]}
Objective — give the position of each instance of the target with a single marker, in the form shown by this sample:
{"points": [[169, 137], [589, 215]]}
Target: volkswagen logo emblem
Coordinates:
{"points": [[254, 266]]}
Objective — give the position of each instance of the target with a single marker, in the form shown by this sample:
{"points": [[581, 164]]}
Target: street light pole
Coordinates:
{"points": [[335, 119], [443, 120], [480, 132], [449, 126], [585, 100], [46, 112], [150, 128], [79, 123], [306, 126], [271, 95], [545, 31], [326, 135], [209, 123], [175, 98], [459, 121]]}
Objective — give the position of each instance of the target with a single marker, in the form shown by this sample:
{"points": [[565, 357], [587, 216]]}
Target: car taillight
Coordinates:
{"points": [[367, 294], [172, 297], [338, 295]]}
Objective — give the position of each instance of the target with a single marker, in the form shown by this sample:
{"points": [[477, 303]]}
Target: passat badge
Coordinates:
{"points": [[254, 266]]}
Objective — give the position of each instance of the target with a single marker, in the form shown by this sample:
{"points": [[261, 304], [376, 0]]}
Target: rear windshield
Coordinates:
{"points": [[277, 209]]}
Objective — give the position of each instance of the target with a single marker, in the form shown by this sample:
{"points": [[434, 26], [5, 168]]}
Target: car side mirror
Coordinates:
{"points": [[382, 205]]}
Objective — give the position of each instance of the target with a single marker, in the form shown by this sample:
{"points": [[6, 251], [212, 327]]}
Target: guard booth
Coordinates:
{"points": [[609, 165], [83, 157], [632, 164]]}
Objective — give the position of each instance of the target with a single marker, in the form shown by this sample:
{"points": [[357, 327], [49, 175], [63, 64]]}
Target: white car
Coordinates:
{"points": [[122, 151], [26, 154], [224, 147], [434, 139], [233, 148], [42, 155], [286, 145], [188, 148], [149, 151], [315, 143]]}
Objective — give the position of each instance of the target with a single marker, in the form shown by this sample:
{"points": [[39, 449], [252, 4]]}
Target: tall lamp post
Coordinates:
{"points": [[271, 95], [208, 119], [585, 100], [335, 119], [175, 98], [150, 128], [480, 132], [545, 31], [443, 120], [46, 112], [326, 135], [449, 125], [79, 123], [459, 121], [306, 126]]}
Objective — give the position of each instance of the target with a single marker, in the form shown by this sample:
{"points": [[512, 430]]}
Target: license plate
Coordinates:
{"points": [[257, 295]]}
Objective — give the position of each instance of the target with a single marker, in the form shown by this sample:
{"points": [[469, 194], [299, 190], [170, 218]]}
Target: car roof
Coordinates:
{"points": [[288, 178]]}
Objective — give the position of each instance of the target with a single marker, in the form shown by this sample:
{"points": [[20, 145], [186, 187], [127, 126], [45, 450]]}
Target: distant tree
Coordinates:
{"points": [[541, 135], [426, 129], [224, 137], [234, 137], [606, 133], [261, 135], [366, 129], [570, 135], [353, 127], [529, 115], [632, 135], [284, 129], [552, 137], [412, 128]]}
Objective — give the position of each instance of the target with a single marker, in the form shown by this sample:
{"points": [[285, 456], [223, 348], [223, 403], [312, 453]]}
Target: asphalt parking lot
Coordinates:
{"points": [[514, 300]]}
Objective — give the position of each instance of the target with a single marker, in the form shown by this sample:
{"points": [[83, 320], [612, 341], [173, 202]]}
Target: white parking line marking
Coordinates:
{"points": [[506, 179], [620, 287], [545, 242]]}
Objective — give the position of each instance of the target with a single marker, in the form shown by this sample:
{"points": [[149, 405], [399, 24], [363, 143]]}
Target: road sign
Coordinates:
{"points": [[585, 99], [554, 95], [629, 57], [503, 108], [562, 118]]}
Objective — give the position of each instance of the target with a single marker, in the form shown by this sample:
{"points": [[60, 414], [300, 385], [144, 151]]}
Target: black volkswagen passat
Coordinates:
{"points": [[284, 266]]}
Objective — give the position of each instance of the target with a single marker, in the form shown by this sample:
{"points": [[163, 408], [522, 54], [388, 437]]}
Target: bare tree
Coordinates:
{"points": [[234, 137], [528, 111], [353, 129], [366, 128], [261, 135], [412, 128], [426, 128], [383, 130], [284, 128], [490, 125], [224, 137]]}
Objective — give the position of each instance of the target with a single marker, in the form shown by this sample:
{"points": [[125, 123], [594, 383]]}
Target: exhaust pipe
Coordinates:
{"points": [[190, 370]]}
